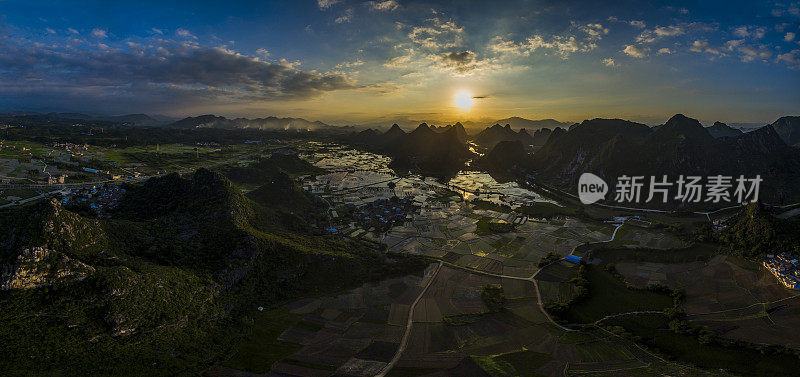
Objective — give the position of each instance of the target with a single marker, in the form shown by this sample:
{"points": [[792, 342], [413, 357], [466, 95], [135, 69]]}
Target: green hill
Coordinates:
{"points": [[162, 287]]}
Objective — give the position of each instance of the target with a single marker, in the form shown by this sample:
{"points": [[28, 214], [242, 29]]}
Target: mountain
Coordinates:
{"points": [[541, 135], [517, 122], [490, 136], [720, 129], [175, 270], [506, 155], [439, 151], [612, 148], [127, 119], [269, 123], [788, 128], [394, 133], [263, 169], [135, 119], [567, 153], [461, 133]]}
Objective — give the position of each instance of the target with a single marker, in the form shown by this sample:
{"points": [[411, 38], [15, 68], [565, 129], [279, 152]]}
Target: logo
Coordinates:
{"points": [[591, 188]]}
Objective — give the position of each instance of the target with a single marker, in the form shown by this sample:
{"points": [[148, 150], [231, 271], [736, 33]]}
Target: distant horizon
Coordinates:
{"points": [[486, 122]]}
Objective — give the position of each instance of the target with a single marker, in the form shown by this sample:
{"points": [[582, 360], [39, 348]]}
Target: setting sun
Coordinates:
{"points": [[464, 100]]}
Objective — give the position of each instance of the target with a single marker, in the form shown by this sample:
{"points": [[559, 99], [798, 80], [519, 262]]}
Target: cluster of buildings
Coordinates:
{"points": [[74, 150], [13, 147], [56, 179], [382, 214], [103, 172], [786, 269], [98, 199]]}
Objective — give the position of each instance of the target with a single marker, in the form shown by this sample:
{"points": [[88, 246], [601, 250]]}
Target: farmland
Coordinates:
{"points": [[609, 296], [652, 328]]}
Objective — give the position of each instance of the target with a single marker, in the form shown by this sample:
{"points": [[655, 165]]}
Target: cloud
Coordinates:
{"points": [[157, 31], [99, 33], [185, 33], [50, 31], [437, 34], [72, 31], [400, 62], [784, 9], [325, 4], [388, 5], [703, 46], [789, 37], [748, 52], [660, 32], [791, 59], [595, 32], [664, 51], [635, 23], [346, 17], [750, 32], [353, 64], [172, 72], [562, 45], [461, 62], [634, 51], [609, 62]]}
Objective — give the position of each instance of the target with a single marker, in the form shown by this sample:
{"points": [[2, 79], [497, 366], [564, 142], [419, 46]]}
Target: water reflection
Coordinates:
{"points": [[359, 177]]}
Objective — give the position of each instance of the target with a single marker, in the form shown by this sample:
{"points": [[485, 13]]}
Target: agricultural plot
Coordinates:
{"points": [[736, 300], [516, 340], [631, 236], [355, 333], [515, 253], [609, 296]]}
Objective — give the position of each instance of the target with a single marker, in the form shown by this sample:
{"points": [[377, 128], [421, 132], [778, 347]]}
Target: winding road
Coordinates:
{"points": [[409, 323]]}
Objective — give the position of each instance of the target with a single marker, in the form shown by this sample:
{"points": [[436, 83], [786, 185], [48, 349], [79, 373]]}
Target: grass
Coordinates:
{"points": [[308, 326], [462, 319], [20, 193], [599, 351], [486, 227], [411, 372], [495, 367], [491, 206], [260, 347], [696, 252], [526, 361], [547, 210], [306, 364], [520, 363], [608, 295], [685, 348]]}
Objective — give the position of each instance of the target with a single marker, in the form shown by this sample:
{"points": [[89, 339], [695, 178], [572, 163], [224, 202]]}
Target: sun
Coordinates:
{"points": [[464, 101]]}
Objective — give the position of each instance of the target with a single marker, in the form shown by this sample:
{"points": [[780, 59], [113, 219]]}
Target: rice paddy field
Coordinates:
{"points": [[735, 298], [356, 333]]}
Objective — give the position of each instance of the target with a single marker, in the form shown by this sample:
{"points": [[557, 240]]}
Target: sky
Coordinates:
{"points": [[373, 62]]}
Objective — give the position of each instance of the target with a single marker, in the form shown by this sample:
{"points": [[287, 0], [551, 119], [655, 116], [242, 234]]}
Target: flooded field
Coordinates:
{"points": [[357, 176]]}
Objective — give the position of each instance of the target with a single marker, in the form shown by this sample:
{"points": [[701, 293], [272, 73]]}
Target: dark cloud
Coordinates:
{"points": [[156, 73], [460, 62], [459, 58]]}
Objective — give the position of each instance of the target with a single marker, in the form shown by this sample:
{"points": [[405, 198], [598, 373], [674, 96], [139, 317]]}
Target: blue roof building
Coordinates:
{"points": [[573, 258]]}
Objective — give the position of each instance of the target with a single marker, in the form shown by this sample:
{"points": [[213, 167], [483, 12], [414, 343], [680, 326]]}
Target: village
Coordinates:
{"points": [[786, 269]]}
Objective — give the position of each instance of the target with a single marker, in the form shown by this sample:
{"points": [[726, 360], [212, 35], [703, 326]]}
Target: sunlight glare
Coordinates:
{"points": [[464, 100]]}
